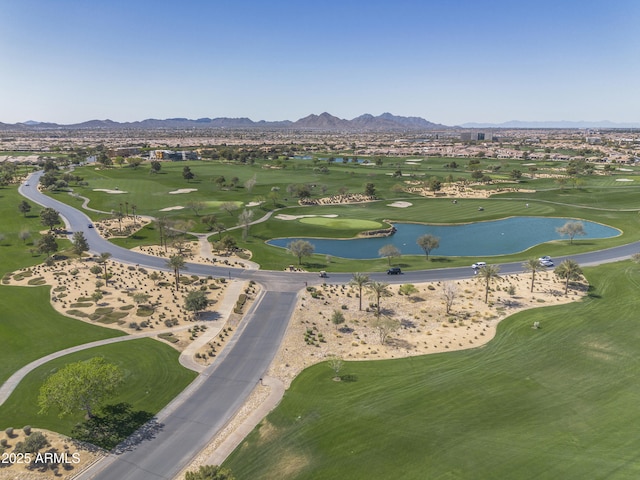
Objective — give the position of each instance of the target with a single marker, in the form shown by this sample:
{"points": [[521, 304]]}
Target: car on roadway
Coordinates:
{"points": [[478, 265], [90, 225], [26, 184], [394, 271], [546, 258], [546, 263]]}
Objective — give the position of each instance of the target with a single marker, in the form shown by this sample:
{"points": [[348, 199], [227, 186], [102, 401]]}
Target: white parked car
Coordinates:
{"points": [[477, 265], [546, 263]]}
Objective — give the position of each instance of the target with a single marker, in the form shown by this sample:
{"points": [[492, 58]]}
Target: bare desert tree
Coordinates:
{"points": [[449, 294]]}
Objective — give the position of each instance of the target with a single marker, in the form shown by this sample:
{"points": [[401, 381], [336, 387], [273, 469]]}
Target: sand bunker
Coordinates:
{"points": [[183, 190], [254, 204], [106, 190], [624, 180], [168, 209], [400, 204], [284, 216]]}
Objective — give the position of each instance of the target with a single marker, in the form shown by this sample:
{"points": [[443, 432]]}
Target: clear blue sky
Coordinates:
{"points": [[450, 62]]}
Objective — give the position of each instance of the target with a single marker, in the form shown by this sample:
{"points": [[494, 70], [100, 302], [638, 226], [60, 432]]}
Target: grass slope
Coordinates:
{"points": [[559, 402], [153, 377], [30, 328]]}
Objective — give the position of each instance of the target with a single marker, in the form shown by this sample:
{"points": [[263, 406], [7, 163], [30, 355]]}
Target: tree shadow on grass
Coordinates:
{"points": [[349, 378], [440, 259], [117, 427], [591, 292]]}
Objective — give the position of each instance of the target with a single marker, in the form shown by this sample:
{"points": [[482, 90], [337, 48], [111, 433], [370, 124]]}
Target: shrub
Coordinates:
{"points": [[3, 442], [27, 430], [9, 432], [96, 269], [32, 443], [170, 322]]}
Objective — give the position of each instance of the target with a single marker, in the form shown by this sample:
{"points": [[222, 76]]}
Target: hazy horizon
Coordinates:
{"points": [[448, 62]]}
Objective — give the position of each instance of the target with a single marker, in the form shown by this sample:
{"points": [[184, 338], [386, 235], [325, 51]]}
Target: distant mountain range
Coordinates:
{"points": [[322, 122], [563, 124], [325, 122]]}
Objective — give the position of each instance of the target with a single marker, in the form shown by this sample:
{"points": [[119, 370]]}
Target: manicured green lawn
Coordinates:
{"points": [[15, 253], [30, 328], [153, 377], [559, 402]]}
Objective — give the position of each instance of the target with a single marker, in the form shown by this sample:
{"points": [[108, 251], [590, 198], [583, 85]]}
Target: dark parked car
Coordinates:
{"points": [[394, 271]]}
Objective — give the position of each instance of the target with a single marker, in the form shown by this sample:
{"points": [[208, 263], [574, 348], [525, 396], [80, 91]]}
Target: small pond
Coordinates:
{"points": [[499, 237]]}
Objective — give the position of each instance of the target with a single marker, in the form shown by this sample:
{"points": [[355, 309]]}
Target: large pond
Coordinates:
{"points": [[499, 237]]}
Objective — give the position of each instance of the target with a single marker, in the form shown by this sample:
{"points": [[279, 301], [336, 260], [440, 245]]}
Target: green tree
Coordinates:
{"points": [[49, 217], [337, 318], [515, 174], [102, 260], [359, 280], [533, 265], [80, 386], [487, 274], [155, 277], [370, 190], [155, 167], [571, 229], [377, 291], [301, 248], [434, 184], [227, 243], [97, 296], [24, 207], [47, 244], [187, 174], [140, 298], [407, 289], [427, 243], [210, 472], [176, 263], [568, 270], [389, 251], [196, 301], [80, 244]]}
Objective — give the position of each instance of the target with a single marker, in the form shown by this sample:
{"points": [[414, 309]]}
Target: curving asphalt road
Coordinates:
{"points": [[188, 423]]}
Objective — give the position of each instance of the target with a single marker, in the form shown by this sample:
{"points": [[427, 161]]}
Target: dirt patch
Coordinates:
{"points": [[421, 323], [62, 458]]}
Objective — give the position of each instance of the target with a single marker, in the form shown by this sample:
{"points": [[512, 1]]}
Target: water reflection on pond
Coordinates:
{"points": [[499, 237]]}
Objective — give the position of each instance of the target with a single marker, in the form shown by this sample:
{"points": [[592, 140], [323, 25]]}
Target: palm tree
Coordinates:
{"points": [[378, 290], [569, 270], [533, 265], [134, 207], [488, 273], [176, 262], [359, 280], [102, 259]]}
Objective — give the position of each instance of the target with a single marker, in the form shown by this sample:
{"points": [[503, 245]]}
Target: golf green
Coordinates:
{"points": [[341, 223]]}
